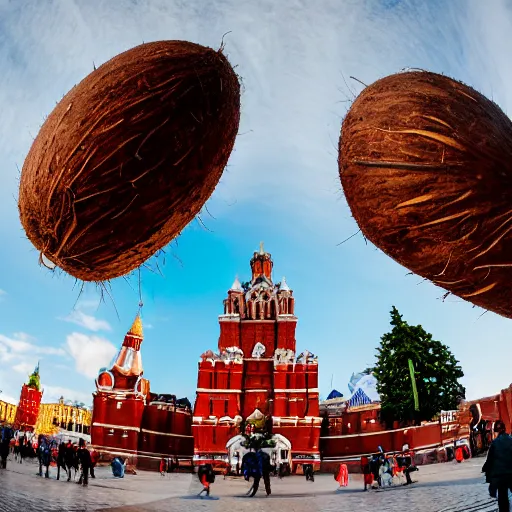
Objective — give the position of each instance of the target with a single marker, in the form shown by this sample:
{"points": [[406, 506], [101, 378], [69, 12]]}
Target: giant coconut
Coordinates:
{"points": [[426, 166], [128, 157]]}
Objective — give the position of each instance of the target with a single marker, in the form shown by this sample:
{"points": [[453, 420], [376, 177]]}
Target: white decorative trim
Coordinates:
{"points": [[206, 390], [106, 388], [304, 390], [229, 318], [115, 427], [257, 390], [147, 455], [251, 321], [377, 433], [146, 431]]}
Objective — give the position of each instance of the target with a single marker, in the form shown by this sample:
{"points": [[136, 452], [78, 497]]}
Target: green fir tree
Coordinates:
{"points": [[436, 372]]}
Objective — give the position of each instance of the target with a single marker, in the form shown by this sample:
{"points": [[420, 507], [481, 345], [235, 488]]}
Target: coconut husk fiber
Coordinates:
{"points": [[128, 157], [426, 166]]}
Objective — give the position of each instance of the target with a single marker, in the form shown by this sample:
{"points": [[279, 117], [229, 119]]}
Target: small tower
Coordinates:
{"points": [[285, 299], [234, 304], [125, 376], [30, 402], [261, 265]]}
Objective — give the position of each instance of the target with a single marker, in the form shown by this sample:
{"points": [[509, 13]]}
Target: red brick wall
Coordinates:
{"points": [[286, 334], [390, 440], [212, 438], [255, 400], [254, 332], [28, 407], [229, 335], [258, 374], [217, 404], [304, 439]]}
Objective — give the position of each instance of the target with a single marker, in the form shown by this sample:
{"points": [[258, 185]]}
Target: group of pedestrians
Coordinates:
{"points": [[78, 459]]}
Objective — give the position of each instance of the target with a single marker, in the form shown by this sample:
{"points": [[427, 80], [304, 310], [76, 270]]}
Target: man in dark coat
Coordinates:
{"points": [[5, 442], [84, 458], [265, 468], [498, 466], [61, 459], [70, 458]]}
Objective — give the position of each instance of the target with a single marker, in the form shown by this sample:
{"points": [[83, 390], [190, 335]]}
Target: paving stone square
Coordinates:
{"points": [[449, 487]]}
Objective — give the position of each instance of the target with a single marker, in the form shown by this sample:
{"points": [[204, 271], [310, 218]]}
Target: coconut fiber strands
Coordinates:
{"points": [[128, 157], [426, 167]]}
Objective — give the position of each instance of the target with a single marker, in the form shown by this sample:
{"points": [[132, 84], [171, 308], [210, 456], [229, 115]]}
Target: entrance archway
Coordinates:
{"points": [[279, 454]]}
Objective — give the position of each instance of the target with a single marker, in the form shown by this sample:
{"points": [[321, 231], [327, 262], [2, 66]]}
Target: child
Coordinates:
{"points": [[342, 475], [163, 468], [206, 477], [367, 472]]}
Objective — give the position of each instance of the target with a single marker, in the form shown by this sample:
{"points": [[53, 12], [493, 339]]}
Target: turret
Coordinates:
{"points": [[125, 376], [234, 304], [261, 266], [128, 361]]}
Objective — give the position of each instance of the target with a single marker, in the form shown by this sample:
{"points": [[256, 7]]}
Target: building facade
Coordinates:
{"points": [[63, 417], [131, 421], [29, 404], [257, 377], [7, 413]]}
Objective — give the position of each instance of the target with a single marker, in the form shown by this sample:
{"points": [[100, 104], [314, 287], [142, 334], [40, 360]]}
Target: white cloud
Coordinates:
{"points": [[19, 345], [53, 393], [24, 367], [89, 352], [9, 399], [90, 322]]}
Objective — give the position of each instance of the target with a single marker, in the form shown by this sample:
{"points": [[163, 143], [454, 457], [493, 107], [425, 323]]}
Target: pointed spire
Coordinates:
{"points": [[136, 328], [284, 285], [262, 249], [236, 286]]}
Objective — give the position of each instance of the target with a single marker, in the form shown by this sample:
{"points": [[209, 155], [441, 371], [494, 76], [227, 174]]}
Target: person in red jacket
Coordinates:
{"points": [[95, 456]]}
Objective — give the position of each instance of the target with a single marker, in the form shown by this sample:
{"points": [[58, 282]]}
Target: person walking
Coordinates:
{"points": [[84, 458], [5, 443], [341, 476], [309, 472], [95, 457], [206, 477], [61, 459], [163, 466], [262, 459], [70, 458], [498, 466]]}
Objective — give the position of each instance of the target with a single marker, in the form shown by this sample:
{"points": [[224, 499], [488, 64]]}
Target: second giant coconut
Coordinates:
{"points": [[426, 167]]}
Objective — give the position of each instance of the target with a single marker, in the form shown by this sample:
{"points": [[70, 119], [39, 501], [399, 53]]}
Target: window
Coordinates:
{"points": [[119, 405]]}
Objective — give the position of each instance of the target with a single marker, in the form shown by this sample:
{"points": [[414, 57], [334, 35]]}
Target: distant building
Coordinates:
{"points": [[30, 401], [64, 417], [7, 413], [130, 421], [257, 383]]}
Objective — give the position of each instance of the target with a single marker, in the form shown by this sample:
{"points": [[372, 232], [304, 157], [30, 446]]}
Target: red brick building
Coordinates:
{"points": [[30, 401], [257, 371], [131, 421]]}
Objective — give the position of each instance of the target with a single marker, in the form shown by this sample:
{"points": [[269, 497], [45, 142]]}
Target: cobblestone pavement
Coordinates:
{"points": [[449, 487]]}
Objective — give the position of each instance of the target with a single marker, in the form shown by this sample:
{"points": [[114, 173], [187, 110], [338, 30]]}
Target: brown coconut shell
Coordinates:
{"points": [[128, 157], [426, 167]]}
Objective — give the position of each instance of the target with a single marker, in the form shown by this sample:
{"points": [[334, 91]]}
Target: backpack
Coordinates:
{"points": [[251, 466], [210, 476]]}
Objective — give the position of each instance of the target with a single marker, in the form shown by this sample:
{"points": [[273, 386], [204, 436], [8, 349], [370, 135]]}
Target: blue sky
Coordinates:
{"points": [[281, 185]]}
